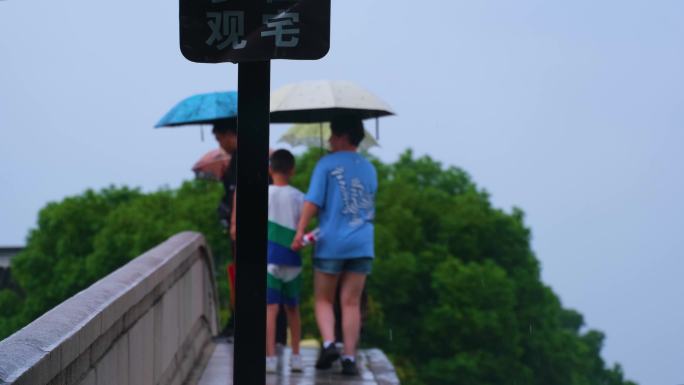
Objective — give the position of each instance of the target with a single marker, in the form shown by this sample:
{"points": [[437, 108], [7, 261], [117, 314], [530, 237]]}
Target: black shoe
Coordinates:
{"points": [[349, 367], [327, 357]]}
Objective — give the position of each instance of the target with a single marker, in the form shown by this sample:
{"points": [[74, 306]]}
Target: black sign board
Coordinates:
{"points": [[215, 31]]}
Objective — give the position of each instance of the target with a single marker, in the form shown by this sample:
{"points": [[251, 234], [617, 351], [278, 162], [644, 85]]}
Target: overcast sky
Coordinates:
{"points": [[571, 110]]}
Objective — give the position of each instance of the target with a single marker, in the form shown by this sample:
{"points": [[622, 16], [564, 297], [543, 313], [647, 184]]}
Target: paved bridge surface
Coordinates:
{"points": [[153, 321], [374, 369]]}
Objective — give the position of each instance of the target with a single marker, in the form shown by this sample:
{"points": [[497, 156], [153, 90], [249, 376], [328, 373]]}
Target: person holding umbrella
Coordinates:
{"points": [[342, 193], [225, 133], [220, 110]]}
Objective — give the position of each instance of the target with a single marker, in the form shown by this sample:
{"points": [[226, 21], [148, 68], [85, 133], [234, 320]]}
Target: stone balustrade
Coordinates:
{"points": [[149, 322]]}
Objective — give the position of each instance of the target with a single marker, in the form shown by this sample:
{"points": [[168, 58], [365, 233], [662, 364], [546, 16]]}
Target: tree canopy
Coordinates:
{"points": [[455, 296]]}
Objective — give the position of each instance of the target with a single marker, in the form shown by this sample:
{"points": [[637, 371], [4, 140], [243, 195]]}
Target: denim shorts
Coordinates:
{"points": [[336, 266]]}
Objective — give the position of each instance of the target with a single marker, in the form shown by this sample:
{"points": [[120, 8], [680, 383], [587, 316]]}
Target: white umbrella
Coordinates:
{"points": [[320, 101]]}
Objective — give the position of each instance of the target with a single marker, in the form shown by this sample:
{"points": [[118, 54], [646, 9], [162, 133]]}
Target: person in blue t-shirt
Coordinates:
{"points": [[342, 194]]}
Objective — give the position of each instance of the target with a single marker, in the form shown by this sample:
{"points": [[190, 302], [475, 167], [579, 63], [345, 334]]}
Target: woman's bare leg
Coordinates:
{"points": [[324, 296], [350, 298]]}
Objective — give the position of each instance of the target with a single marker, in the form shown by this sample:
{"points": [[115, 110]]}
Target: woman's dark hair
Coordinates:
{"points": [[350, 126], [224, 126], [282, 161]]}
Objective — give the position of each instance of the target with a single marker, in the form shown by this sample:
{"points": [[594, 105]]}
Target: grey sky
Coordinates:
{"points": [[570, 110]]}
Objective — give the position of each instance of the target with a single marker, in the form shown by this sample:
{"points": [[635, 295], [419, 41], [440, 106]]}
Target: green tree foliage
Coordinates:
{"points": [[455, 296], [83, 238]]}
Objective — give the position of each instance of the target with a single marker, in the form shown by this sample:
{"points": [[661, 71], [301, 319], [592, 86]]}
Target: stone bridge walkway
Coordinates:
{"points": [[374, 366]]}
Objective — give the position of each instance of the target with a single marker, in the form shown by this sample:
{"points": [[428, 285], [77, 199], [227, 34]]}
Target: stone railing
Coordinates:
{"points": [[149, 322]]}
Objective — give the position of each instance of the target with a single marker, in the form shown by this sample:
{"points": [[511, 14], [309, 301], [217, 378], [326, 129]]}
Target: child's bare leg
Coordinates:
{"points": [[271, 314], [294, 321]]}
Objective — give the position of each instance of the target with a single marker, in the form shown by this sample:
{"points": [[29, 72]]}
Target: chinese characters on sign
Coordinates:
{"points": [[227, 29], [277, 24], [252, 30]]}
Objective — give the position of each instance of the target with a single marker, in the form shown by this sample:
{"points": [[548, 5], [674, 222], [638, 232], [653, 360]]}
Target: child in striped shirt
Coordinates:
{"points": [[284, 265]]}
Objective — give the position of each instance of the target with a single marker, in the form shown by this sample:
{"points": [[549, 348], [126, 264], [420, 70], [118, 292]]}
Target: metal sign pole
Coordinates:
{"points": [[249, 365]]}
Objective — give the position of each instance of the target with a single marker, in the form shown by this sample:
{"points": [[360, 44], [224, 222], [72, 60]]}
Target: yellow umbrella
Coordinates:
{"points": [[317, 134]]}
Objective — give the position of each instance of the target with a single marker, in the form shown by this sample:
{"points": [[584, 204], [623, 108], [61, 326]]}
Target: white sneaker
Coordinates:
{"points": [[296, 364], [272, 364]]}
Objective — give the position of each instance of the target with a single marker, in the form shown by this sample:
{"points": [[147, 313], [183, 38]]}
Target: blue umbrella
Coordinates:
{"points": [[202, 109]]}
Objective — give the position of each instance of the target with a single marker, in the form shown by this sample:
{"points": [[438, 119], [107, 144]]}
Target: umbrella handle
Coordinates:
{"points": [[320, 127], [377, 129]]}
